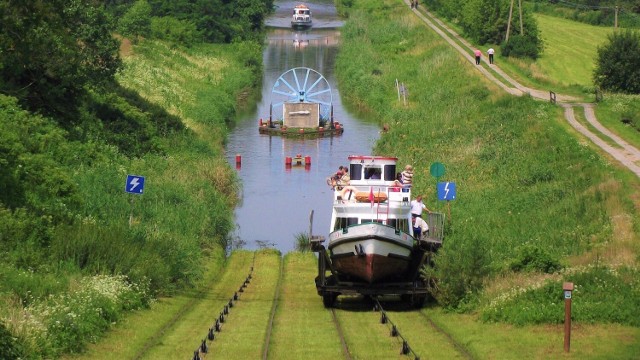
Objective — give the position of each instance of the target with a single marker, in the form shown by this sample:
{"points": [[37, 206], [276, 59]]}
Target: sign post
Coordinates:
{"points": [[134, 185], [568, 289]]}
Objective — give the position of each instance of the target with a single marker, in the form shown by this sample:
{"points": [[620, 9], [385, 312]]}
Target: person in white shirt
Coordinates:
{"points": [[417, 206], [490, 52], [420, 227]]}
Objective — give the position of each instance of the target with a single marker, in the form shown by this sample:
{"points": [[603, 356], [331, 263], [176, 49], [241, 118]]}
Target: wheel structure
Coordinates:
{"points": [[302, 84], [328, 299]]}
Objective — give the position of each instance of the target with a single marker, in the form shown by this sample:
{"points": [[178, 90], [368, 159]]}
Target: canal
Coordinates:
{"points": [[276, 201]]}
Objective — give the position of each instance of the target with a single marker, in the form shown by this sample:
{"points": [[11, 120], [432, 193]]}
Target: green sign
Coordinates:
{"points": [[436, 169]]}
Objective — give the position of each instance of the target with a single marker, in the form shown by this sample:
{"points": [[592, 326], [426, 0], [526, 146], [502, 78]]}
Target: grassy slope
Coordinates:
{"points": [[569, 55], [522, 177]]}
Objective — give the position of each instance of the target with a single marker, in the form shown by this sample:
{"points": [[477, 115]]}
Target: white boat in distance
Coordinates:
{"points": [[371, 236], [301, 17]]}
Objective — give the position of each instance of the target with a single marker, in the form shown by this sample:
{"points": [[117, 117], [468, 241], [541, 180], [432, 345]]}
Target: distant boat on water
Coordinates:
{"points": [[301, 17]]}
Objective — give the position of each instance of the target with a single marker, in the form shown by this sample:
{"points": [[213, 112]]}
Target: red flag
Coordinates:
{"points": [[371, 197]]}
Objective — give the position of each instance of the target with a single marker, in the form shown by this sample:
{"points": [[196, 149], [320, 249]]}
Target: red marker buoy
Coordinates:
{"points": [[307, 160], [287, 161]]}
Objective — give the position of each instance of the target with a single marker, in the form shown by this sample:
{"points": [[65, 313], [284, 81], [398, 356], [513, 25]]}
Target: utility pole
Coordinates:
{"points": [[615, 24], [509, 22], [520, 9]]}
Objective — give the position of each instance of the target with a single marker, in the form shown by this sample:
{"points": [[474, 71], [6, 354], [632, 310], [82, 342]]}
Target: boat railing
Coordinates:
{"points": [[379, 193]]}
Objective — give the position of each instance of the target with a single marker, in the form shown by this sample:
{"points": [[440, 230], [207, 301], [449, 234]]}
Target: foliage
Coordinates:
{"points": [[302, 242], [522, 47], [601, 294], [486, 21], [58, 48], [618, 64], [31, 153], [67, 322], [530, 257], [600, 13], [514, 157], [136, 21], [10, 349], [183, 32], [218, 21]]}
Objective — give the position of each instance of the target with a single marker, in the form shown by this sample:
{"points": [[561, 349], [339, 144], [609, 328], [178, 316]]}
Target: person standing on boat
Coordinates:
{"points": [[417, 206], [407, 176], [420, 227], [345, 179]]}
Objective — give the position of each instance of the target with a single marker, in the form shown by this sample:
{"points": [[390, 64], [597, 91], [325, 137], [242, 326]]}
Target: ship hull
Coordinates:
{"points": [[371, 253]]}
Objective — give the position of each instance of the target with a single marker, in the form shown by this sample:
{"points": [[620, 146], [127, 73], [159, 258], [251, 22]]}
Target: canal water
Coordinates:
{"points": [[276, 201]]}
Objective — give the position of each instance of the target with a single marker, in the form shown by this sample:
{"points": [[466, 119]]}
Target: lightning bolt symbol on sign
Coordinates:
{"points": [[134, 182], [446, 190]]}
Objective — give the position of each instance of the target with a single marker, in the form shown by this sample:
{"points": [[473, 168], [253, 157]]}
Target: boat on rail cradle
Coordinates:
{"points": [[301, 17], [302, 105], [371, 248]]}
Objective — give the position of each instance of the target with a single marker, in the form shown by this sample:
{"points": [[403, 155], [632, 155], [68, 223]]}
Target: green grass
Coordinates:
{"points": [[499, 341], [303, 327], [243, 335], [570, 52], [524, 179], [613, 109]]}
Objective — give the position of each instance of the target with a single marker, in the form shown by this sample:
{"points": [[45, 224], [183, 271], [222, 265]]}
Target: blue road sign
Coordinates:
{"points": [[135, 184], [446, 191]]}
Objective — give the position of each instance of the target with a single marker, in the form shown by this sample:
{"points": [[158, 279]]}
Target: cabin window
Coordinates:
{"points": [[355, 171], [379, 221], [342, 222], [373, 173], [392, 222], [390, 172]]}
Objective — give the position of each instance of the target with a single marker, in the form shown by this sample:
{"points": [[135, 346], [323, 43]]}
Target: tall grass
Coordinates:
{"points": [[523, 179]]}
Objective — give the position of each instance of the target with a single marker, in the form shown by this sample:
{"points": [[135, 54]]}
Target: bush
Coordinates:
{"points": [[522, 46], [618, 64], [10, 348], [534, 258], [182, 32], [600, 294]]}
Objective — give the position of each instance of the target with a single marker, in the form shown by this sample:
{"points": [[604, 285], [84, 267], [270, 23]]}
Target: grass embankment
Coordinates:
{"points": [[189, 314], [303, 328], [189, 188], [566, 67], [530, 195], [243, 335]]}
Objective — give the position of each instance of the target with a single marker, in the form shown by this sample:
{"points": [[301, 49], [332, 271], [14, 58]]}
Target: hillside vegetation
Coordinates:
{"points": [[536, 206], [76, 251]]}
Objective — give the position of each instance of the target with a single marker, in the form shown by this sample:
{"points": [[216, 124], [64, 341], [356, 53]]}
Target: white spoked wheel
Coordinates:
{"points": [[302, 84]]}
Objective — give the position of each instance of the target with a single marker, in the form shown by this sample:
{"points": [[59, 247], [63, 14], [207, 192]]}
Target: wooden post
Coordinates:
{"points": [[615, 23], [509, 22], [520, 10], [568, 289]]}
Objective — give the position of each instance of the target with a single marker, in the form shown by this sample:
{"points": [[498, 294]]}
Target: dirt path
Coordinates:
{"points": [[625, 153]]}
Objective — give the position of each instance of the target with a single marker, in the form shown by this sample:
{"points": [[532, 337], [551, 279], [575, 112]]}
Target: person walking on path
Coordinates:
{"points": [[490, 52], [478, 53]]}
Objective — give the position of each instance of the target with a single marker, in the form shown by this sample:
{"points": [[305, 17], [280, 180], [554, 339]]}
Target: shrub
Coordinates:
{"points": [[600, 294], [10, 348], [530, 257], [522, 46], [618, 64], [182, 32], [302, 242]]}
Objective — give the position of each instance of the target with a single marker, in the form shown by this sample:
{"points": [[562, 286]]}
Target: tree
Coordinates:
{"points": [[50, 50], [618, 64], [136, 21]]}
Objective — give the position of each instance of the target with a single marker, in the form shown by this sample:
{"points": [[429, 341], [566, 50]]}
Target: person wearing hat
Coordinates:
{"points": [[407, 176]]}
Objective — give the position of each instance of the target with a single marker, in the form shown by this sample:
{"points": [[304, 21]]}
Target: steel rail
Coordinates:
{"points": [[274, 307], [343, 342]]}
